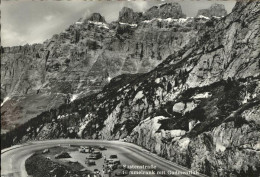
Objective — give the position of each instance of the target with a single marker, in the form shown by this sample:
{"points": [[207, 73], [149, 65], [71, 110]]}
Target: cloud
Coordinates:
{"points": [[86, 14], [8, 35], [140, 5], [48, 17]]}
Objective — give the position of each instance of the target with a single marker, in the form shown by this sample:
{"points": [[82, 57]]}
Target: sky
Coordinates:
{"points": [[27, 21]]}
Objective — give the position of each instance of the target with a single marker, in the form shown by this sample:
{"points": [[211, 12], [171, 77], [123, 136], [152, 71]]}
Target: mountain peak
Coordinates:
{"points": [[96, 17], [127, 15], [217, 10], [166, 10]]}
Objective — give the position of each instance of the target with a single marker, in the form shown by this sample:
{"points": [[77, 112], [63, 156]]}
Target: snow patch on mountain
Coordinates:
{"points": [[202, 16], [99, 24], [132, 25], [169, 20], [183, 143], [82, 127], [202, 95], [138, 95], [5, 100]]}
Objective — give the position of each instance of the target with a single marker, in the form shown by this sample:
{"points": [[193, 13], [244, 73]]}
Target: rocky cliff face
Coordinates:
{"points": [[199, 107], [216, 10], [164, 11], [127, 15], [83, 58]]}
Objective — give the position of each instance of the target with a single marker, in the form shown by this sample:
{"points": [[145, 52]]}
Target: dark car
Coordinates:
{"points": [[95, 155], [113, 163], [96, 171], [102, 148], [113, 157], [85, 149], [112, 166], [82, 150], [90, 162]]}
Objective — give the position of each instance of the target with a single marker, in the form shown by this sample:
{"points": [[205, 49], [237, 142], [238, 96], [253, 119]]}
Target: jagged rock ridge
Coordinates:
{"points": [[163, 11]]}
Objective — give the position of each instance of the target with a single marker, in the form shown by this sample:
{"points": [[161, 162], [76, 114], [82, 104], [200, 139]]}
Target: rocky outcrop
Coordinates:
{"points": [[127, 15], [163, 11], [96, 17], [198, 107], [215, 10], [199, 136]]}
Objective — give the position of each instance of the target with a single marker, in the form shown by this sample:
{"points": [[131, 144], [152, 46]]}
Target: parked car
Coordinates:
{"points": [[96, 171], [85, 149], [90, 149], [90, 162], [123, 140], [102, 148], [113, 157], [95, 155], [82, 150], [113, 163]]}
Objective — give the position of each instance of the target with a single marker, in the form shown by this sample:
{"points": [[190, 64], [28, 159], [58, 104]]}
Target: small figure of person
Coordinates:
{"points": [[68, 99], [103, 170], [109, 173]]}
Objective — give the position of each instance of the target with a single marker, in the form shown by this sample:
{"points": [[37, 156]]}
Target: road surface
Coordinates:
{"points": [[13, 158]]}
